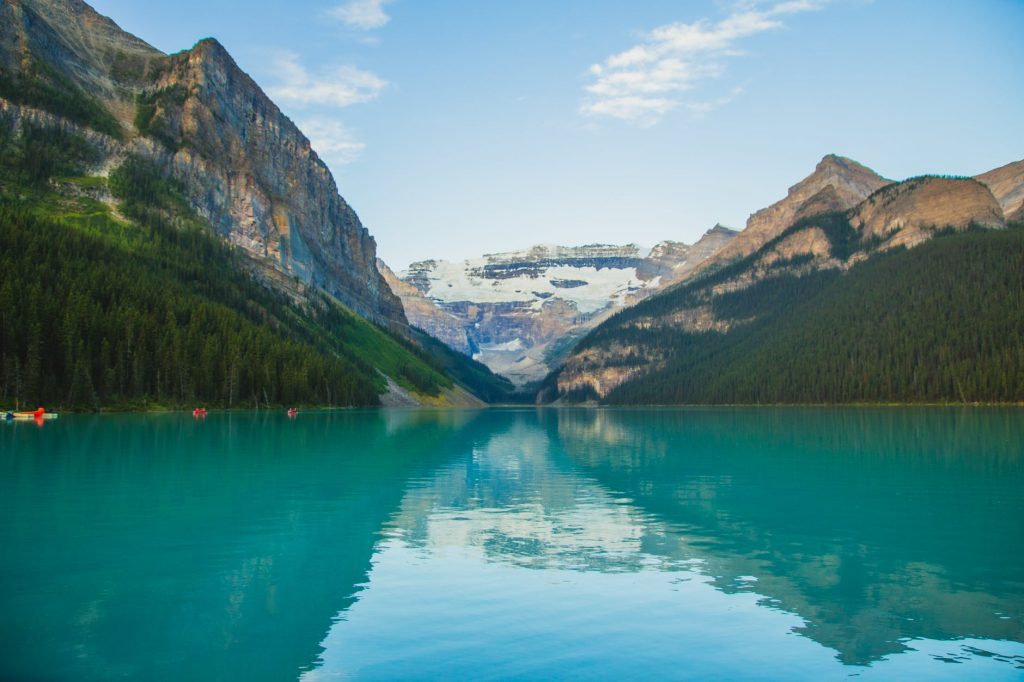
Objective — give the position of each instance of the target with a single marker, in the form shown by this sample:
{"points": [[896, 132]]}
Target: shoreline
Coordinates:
{"points": [[520, 406]]}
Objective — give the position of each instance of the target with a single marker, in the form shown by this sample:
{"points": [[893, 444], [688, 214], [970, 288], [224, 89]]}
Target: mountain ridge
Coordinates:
{"points": [[245, 166], [850, 181], [733, 294]]}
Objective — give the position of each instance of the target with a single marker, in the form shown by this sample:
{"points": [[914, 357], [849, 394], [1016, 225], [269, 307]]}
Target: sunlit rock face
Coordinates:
{"points": [[908, 213], [519, 312], [837, 183], [1007, 185], [242, 164]]}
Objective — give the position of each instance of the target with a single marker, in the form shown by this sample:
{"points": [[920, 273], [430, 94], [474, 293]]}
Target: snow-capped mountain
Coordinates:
{"points": [[517, 312]]}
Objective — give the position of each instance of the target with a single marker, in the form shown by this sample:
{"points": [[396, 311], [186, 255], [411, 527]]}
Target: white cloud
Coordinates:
{"points": [[703, 108], [365, 15], [642, 84], [316, 93], [644, 111], [340, 86], [332, 140]]}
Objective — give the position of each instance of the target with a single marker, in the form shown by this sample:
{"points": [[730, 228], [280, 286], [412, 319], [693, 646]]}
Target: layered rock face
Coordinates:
{"points": [[253, 174], [77, 43], [675, 261], [423, 314], [907, 213], [819, 235], [520, 312], [243, 164], [1007, 186], [514, 306]]}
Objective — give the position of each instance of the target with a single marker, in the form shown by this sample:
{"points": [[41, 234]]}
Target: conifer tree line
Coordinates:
{"points": [[81, 326], [942, 322]]}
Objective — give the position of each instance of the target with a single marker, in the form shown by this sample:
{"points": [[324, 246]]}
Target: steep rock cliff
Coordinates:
{"points": [[243, 164], [253, 174]]}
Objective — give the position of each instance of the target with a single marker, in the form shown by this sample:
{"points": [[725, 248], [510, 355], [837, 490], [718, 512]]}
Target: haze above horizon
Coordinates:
{"points": [[456, 130]]}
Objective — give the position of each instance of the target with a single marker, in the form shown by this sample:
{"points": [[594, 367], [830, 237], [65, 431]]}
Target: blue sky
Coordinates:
{"points": [[461, 128]]}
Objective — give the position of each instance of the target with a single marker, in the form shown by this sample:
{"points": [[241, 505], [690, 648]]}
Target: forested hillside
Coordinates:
{"points": [[942, 322], [148, 308]]}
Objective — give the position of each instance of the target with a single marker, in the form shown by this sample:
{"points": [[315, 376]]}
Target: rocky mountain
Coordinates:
{"points": [[243, 165], [689, 343], [189, 244], [907, 213], [519, 312], [673, 262], [836, 184]]}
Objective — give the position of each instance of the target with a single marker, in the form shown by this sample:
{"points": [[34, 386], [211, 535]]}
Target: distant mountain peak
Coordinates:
{"points": [[905, 213], [518, 311], [719, 228], [558, 251], [842, 166], [211, 48], [837, 183], [835, 160]]}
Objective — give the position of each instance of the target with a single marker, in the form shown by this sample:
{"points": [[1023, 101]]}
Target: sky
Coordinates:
{"points": [[458, 128]]}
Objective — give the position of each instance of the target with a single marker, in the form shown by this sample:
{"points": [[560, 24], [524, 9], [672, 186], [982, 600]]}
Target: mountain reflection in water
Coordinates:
{"points": [[780, 543]]}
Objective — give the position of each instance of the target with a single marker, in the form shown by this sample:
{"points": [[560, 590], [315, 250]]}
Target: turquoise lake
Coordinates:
{"points": [[784, 544]]}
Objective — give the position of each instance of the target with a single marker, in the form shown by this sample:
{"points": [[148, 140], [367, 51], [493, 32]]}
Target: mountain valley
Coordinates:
{"points": [[181, 162], [520, 312]]}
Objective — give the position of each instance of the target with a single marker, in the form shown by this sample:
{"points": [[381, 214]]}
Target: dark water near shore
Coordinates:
{"points": [[698, 543]]}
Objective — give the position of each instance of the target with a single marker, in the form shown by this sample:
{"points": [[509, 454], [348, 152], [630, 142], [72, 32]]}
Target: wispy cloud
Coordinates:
{"points": [[644, 83], [332, 140], [364, 15], [702, 108], [340, 86], [316, 94]]}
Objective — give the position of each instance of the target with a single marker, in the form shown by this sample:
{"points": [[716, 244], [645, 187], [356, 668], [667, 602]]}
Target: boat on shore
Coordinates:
{"points": [[38, 414]]}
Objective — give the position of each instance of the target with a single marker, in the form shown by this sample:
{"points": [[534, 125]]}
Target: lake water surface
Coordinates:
{"points": [[695, 543]]}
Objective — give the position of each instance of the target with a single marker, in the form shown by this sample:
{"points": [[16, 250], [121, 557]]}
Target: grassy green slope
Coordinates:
{"points": [[943, 322], [468, 373]]}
